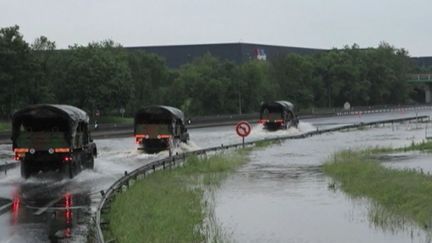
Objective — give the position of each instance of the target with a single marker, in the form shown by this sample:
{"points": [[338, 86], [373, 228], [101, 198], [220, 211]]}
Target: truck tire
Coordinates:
{"points": [[90, 162], [25, 170], [68, 170]]}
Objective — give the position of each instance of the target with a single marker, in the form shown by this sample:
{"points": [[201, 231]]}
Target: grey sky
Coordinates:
{"points": [[303, 23]]}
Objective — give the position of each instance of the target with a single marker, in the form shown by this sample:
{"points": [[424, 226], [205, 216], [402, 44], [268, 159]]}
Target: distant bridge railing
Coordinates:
{"points": [[420, 78]]}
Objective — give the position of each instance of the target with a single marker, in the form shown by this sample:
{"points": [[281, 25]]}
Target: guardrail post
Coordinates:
{"points": [[131, 182]]}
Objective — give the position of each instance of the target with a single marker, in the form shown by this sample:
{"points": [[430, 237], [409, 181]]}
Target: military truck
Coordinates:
{"points": [[159, 127], [52, 138], [276, 115]]}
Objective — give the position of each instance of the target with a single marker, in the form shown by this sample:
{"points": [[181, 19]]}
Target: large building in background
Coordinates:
{"points": [[422, 62], [177, 55]]}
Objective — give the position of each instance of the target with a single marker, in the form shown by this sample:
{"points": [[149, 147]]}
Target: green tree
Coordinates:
{"points": [[41, 90], [93, 77], [294, 76], [16, 69], [151, 79], [207, 86], [255, 85]]}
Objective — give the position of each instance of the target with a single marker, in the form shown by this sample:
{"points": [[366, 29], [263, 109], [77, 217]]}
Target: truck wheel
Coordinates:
{"points": [[90, 163], [78, 165], [68, 170], [25, 170], [296, 122]]}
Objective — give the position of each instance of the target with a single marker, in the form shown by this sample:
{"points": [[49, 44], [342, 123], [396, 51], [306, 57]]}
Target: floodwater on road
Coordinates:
{"points": [[281, 195], [48, 208]]}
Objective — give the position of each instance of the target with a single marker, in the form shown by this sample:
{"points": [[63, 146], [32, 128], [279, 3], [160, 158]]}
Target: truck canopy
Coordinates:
{"points": [[45, 117], [158, 114], [277, 107]]}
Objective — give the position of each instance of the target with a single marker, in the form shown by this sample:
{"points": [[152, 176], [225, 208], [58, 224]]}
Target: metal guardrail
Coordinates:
{"points": [[110, 130], [420, 78], [382, 110], [129, 178], [8, 165]]}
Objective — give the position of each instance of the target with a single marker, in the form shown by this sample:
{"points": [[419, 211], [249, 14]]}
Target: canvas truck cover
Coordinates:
{"points": [[279, 106], [39, 116], [158, 113]]}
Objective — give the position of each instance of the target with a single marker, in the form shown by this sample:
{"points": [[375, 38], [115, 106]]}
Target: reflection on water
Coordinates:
{"points": [[41, 213], [282, 196]]}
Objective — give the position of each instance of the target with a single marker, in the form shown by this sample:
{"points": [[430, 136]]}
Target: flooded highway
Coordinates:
{"points": [[47, 208], [281, 195]]}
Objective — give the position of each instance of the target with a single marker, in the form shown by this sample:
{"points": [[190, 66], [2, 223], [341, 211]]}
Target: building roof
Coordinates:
{"points": [[177, 55]]}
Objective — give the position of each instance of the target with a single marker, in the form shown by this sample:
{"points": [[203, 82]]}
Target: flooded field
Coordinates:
{"points": [[282, 196], [422, 162]]}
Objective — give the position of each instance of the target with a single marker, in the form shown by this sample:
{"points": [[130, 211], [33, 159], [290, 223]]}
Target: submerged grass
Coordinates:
{"points": [[425, 146], [266, 143], [171, 205], [407, 193]]}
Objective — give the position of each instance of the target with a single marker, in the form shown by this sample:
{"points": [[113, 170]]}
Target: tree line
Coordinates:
{"points": [[104, 76]]}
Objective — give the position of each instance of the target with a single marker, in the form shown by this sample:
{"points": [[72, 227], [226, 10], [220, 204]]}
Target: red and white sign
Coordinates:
{"points": [[243, 129]]}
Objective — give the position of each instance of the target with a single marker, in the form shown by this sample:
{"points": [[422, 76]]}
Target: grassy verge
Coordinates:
{"points": [[5, 126], [173, 205], [425, 146], [407, 193], [115, 119]]}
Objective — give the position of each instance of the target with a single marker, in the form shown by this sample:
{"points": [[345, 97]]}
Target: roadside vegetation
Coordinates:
{"points": [[115, 119], [174, 205], [5, 126], [105, 77], [406, 193], [425, 146]]}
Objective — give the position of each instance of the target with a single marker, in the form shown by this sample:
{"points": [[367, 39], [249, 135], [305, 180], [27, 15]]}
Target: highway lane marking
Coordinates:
{"points": [[10, 239], [46, 207], [61, 208], [5, 208]]}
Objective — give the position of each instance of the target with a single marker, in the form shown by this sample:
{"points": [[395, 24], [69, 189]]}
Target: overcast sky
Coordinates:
{"points": [[302, 23]]}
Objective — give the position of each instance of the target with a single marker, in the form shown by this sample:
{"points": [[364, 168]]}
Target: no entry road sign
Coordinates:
{"points": [[243, 129]]}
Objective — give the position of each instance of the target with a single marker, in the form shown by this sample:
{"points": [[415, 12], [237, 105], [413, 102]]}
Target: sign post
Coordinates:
{"points": [[243, 129], [122, 111]]}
